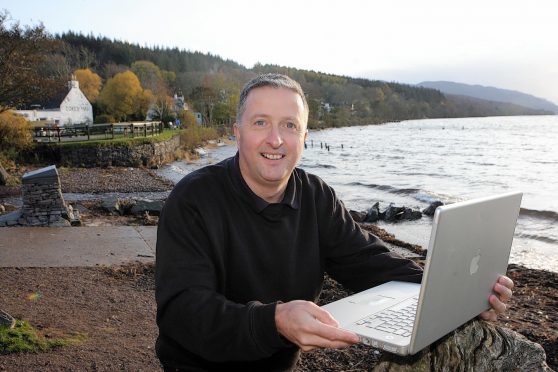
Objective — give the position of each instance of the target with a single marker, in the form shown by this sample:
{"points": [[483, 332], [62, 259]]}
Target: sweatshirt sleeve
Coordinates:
{"points": [[356, 258], [190, 309]]}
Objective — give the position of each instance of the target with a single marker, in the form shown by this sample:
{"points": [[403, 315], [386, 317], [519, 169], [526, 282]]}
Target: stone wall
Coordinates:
{"points": [[119, 155], [43, 203]]}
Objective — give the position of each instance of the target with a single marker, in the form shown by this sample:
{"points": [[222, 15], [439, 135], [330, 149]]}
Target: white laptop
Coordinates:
{"points": [[469, 248]]}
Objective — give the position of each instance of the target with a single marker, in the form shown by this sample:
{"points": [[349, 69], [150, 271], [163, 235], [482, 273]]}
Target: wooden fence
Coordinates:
{"points": [[97, 131]]}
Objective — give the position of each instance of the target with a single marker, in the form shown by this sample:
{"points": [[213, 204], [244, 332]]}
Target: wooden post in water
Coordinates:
{"points": [[87, 130], [132, 129], [112, 129]]}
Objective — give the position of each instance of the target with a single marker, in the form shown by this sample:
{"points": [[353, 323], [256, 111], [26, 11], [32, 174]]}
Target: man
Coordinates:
{"points": [[243, 245]]}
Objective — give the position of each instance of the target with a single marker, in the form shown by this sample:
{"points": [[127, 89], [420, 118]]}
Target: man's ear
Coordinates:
{"points": [[305, 134]]}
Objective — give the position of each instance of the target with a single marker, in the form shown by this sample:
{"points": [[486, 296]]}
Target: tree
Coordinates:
{"points": [[150, 76], [89, 83], [163, 109], [23, 52], [123, 96], [15, 132]]}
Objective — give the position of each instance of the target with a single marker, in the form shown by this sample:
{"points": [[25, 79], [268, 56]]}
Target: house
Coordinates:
{"points": [[74, 109]]}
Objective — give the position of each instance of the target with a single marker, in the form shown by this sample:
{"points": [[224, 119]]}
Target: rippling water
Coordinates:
{"points": [[415, 162]]}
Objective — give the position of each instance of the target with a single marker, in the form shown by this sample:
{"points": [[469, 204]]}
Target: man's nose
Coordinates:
{"points": [[274, 137]]}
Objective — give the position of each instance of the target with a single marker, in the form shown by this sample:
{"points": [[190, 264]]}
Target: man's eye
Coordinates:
{"points": [[259, 123], [291, 125]]}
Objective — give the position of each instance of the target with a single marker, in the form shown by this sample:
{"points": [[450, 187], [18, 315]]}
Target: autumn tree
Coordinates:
{"points": [[23, 53], [123, 97], [89, 83], [15, 133]]}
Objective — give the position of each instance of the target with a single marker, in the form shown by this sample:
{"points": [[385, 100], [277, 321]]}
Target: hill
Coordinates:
{"points": [[492, 94], [210, 85]]}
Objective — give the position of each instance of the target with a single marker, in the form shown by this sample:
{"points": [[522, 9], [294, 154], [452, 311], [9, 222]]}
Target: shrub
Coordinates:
{"points": [[15, 133], [104, 118], [195, 136], [188, 119]]}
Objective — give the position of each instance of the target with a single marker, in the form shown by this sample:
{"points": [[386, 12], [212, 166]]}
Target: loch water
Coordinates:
{"points": [[413, 163]]}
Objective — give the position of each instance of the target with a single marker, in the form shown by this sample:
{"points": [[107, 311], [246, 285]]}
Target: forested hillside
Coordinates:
{"points": [[211, 84]]}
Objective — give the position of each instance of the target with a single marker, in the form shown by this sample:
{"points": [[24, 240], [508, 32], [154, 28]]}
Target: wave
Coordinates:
{"points": [[388, 188], [318, 165], [543, 215], [545, 239]]}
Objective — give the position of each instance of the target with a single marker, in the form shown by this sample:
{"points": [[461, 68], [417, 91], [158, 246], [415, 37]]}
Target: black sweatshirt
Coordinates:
{"points": [[225, 257]]}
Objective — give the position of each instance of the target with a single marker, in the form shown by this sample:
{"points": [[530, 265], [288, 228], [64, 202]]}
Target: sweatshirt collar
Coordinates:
{"points": [[290, 198]]}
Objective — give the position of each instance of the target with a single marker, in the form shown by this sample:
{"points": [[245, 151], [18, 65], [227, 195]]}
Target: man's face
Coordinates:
{"points": [[270, 137]]}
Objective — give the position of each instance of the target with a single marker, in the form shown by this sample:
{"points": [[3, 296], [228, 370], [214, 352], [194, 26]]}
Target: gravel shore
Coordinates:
{"points": [[532, 310], [101, 180]]}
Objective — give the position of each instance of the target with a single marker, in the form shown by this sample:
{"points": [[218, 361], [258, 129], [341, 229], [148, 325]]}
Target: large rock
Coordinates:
{"points": [[477, 346], [429, 211], [153, 207], [373, 213], [393, 213]]}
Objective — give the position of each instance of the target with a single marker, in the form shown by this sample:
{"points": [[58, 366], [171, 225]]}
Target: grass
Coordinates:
{"points": [[24, 338], [164, 136]]}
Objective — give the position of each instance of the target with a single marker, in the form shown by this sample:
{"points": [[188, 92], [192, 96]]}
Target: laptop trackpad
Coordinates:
{"points": [[371, 299]]}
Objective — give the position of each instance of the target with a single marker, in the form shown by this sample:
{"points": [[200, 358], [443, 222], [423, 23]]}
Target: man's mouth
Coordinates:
{"points": [[272, 156]]}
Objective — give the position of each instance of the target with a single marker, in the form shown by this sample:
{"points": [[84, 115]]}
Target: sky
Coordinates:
{"points": [[506, 44]]}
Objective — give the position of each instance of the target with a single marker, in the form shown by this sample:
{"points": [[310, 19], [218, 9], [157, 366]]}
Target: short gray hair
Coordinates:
{"points": [[269, 80]]}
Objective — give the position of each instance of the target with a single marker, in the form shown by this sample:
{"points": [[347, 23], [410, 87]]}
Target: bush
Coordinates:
{"points": [[196, 135], [104, 119], [188, 119], [15, 134]]}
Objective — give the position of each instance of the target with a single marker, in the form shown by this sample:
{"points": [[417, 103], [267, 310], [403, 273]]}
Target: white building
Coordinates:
{"points": [[74, 109]]}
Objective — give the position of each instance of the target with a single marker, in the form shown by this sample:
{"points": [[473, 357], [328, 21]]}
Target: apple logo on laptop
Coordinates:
{"points": [[474, 266]]}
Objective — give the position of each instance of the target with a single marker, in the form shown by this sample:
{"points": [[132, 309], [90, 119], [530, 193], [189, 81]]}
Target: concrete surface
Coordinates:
{"points": [[76, 246]]}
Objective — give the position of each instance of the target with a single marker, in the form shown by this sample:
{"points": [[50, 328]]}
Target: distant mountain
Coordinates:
{"points": [[491, 94]]}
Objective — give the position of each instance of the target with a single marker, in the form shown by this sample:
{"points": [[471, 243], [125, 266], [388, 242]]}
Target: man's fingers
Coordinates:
{"points": [[497, 305], [489, 315], [505, 281], [325, 336], [504, 292], [323, 316], [309, 326]]}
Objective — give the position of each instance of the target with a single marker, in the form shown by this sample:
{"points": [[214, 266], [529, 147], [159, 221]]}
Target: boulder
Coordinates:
{"points": [[429, 211], [153, 207], [110, 204], [373, 213], [393, 213], [10, 219], [476, 346], [409, 214], [115, 205]]}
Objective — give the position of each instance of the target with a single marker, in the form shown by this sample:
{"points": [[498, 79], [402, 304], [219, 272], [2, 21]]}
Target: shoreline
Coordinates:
{"points": [[80, 184]]}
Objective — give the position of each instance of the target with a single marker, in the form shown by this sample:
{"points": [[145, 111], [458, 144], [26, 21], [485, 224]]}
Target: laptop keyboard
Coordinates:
{"points": [[397, 319]]}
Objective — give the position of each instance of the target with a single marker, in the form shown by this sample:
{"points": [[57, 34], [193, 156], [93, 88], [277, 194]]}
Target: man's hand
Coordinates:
{"points": [[503, 287], [309, 326]]}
